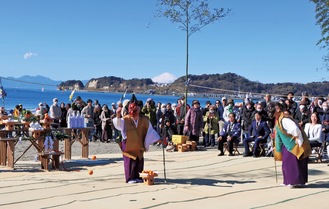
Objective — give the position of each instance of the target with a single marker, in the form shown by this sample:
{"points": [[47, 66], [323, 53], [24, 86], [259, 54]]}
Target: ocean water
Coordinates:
{"points": [[30, 98]]}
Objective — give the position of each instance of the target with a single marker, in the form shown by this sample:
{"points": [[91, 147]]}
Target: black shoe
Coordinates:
{"points": [[255, 156], [220, 154], [231, 154]]}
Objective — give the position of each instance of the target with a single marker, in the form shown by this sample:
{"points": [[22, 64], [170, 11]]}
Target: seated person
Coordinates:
{"points": [[258, 132], [313, 130], [230, 134], [167, 132]]}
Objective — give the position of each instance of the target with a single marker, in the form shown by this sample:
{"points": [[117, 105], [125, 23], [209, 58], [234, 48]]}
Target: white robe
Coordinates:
{"points": [[151, 135], [291, 127]]}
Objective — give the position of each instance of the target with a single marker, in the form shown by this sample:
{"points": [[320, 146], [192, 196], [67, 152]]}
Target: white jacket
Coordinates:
{"points": [[313, 132]]}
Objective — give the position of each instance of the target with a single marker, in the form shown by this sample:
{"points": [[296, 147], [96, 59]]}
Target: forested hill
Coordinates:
{"points": [[227, 83]]}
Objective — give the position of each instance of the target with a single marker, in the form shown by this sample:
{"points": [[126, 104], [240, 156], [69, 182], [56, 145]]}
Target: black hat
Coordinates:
{"points": [[89, 100], [133, 99], [195, 102]]}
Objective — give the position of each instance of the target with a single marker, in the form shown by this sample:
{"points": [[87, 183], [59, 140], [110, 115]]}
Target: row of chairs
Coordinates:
{"points": [[266, 149]]}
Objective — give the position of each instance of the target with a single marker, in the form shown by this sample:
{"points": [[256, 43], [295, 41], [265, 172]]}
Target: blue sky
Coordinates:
{"points": [[265, 41]]}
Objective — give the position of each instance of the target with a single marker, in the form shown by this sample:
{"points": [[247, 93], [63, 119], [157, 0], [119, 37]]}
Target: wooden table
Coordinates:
{"points": [[76, 134], [37, 137]]}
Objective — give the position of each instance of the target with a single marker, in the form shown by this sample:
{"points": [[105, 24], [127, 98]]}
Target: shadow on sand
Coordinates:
{"points": [[204, 182]]}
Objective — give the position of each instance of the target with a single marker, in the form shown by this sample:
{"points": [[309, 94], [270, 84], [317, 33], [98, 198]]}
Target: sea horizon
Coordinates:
{"points": [[30, 98]]}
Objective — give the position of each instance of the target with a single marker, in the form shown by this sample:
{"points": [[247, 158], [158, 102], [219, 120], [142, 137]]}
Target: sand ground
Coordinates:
{"points": [[198, 179]]}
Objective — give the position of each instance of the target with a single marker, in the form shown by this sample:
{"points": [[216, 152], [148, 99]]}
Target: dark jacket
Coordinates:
{"points": [[302, 117], [234, 131], [247, 117], [260, 130]]}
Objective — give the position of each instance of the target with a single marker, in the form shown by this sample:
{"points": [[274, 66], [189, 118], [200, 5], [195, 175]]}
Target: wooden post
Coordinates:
{"points": [[85, 142], [68, 148], [68, 145], [44, 161], [7, 150], [11, 153], [3, 152]]}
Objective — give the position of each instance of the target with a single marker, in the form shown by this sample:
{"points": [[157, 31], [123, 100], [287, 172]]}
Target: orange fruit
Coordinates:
{"points": [[90, 172], [93, 157]]}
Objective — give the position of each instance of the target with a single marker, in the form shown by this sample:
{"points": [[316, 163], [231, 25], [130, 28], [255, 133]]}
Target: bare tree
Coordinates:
{"points": [[192, 16]]}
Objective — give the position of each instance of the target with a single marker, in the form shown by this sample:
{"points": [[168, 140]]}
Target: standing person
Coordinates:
{"points": [[149, 110], [220, 110], [302, 115], [78, 104], [194, 121], [169, 113], [113, 108], [137, 134], [267, 100], [210, 127], [181, 113], [247, 117], [106, 118], [113, 112], [69, 113], [55, 111], [292, 103], [324, 118], [230, 134], [97, 123], [88, 114], [96, 104], [159, 115], [16, 112], [292, 147], [40, 111], [229, 108], [63, 115]]}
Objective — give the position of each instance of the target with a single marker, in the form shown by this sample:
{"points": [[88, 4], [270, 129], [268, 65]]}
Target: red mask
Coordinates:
{"points": [[133, 109]]}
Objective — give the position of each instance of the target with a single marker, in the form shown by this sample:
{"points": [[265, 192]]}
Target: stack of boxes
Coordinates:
{"points": [[182, 144]]}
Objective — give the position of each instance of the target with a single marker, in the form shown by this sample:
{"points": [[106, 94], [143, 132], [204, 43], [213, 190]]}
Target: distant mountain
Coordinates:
{"points": [[205, 84], [30, 82]]}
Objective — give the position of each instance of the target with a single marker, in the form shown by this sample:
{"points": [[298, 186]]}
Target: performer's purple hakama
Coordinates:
{"points": [[132, 167], [295, 172]]}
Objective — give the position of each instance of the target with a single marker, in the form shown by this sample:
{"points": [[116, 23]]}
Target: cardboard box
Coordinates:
{"points": [[182, 148], [179, 139]]}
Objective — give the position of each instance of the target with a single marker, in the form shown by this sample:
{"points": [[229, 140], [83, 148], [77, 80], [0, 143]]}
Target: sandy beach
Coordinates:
{"points": [[193, 179]]}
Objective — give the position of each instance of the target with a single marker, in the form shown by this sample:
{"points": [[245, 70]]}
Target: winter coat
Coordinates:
{"points": [[194, 121], [211, 124]]}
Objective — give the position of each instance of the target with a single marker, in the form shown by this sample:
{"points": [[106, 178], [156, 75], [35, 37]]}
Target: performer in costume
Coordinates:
{"points": [[137, 134], [292, 147]]}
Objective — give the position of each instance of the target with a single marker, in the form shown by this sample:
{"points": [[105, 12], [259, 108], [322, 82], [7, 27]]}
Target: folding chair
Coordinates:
{"points": [[261, 147], [235, 148], [319, 152]]}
